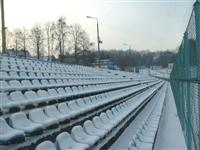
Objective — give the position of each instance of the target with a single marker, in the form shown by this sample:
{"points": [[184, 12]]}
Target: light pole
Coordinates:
{"points": [[98, 40], [3, 27]]}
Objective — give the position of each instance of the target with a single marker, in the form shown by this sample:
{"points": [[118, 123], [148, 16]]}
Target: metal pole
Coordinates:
{"points": [[197, 21], [24, 42], [98, 41], [3, 27]]}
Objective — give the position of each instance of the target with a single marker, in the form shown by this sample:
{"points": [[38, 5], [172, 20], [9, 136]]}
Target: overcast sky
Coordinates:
{"points": [[144, 24]]}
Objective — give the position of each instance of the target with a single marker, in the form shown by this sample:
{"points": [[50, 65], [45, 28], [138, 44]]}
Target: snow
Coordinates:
{"points": [[123, 141], [170, 135]]}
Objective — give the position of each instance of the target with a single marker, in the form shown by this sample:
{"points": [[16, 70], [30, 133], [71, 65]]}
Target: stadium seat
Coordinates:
{"points": [[4, 85], [18, 98], [15, 84], [100, 125], [53, 112], [38, 116], [81, 136], [46, 145], [9, 135], [75, 108], [92, 130], [20, 121], [64, 141]]}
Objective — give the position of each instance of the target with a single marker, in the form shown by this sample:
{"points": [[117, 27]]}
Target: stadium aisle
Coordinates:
{"points": [[170, 135]]}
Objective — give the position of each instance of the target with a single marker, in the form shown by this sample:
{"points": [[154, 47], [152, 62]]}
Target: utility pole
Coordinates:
{"points": [[3, 27], [24, 40], [98, 40]]}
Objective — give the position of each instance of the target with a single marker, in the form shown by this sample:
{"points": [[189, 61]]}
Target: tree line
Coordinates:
{"points": [[130, 58], [51, 38]]}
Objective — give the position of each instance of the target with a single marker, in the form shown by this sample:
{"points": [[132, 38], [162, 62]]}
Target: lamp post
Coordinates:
{"points": [[98, 40], [3, 27]]}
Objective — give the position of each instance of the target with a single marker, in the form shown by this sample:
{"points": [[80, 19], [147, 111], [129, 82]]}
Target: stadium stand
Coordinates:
{"points": [[45, 105]]}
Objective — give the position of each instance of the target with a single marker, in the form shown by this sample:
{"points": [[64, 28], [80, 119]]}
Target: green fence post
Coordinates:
{"points": [[186, 52], [197, 23]]}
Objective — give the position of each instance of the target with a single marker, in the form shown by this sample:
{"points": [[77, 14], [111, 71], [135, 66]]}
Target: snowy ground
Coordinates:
{"points": [[170, 135], [122, 142]]}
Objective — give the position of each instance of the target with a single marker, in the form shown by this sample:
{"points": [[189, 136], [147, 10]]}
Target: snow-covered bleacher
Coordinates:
{"points": [[161, 73], [47, 105], [146, 134]]}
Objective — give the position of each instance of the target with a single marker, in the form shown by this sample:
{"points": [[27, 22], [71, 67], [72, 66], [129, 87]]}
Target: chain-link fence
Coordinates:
{"points": [[185, 81]]}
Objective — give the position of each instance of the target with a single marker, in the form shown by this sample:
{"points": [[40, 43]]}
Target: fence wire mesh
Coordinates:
{"points": [[185, 81]]}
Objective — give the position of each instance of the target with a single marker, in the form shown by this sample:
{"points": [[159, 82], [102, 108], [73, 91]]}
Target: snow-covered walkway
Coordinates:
{"points": [[122, 142], [170, 135]]}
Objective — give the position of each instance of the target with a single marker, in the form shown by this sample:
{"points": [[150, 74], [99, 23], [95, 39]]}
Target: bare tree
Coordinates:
{"points": [[37, 38], [18, 39], [50, 37], [10, 40], [79, 39], [24, 40], [61, 32]]}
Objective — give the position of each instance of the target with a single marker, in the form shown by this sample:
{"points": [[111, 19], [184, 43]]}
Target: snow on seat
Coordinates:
{"points": [[59, 82], [39, 75], [64, 141], [88, 101], [13, 75], [26, 84], [75, 108], [18, 98], [76, 90], [38, 116], [15, 84], [52, 82], [45, 96], [82, 104], [68, 90], [106, 120], [36, 83], [23, 75], [9, 135], [46, 145], [5, 102], [150, 127], [100, 125], [33, 97], [81, 136], [20, 121], [145, 138], [45, 83], [142, 145], [132, 146], [46, 75], [116, 113], [4, 75], [62, 92], [63, 108], [112, 117], [92, 130], [53, 112], [32, 75], [54, 93], [4, 86]]}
